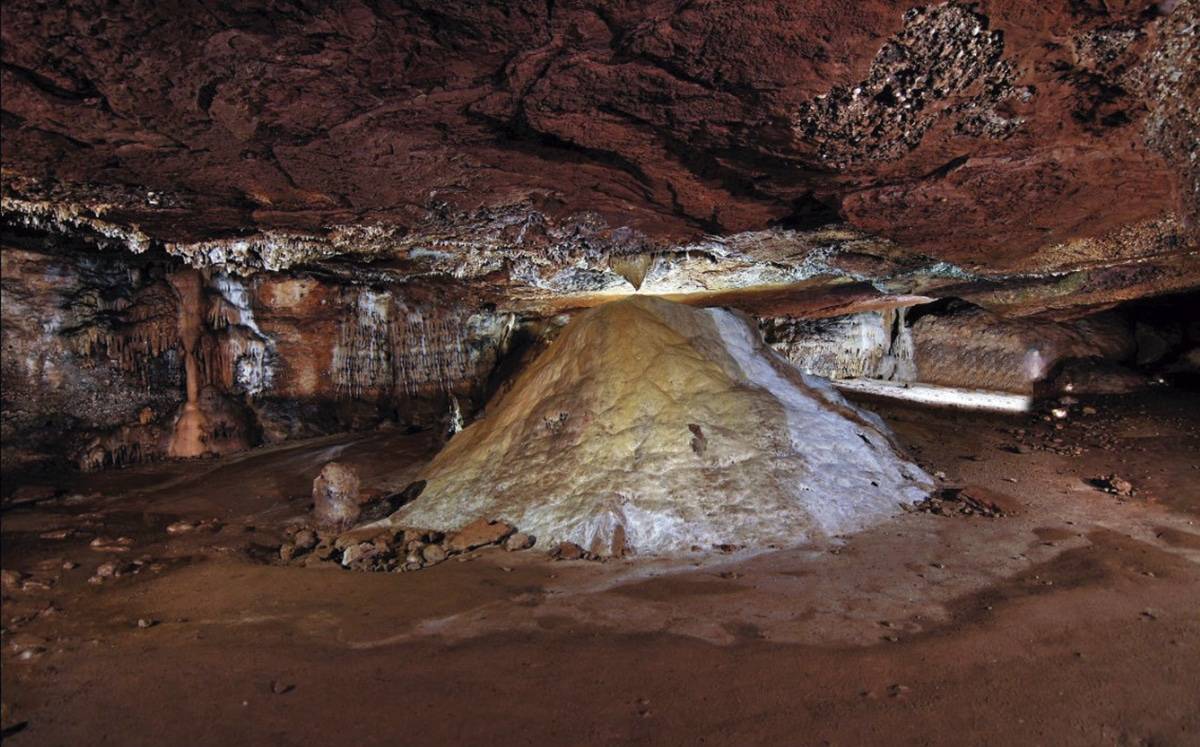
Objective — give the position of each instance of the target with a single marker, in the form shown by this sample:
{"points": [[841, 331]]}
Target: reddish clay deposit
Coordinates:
{"points": [[1070, 622]]}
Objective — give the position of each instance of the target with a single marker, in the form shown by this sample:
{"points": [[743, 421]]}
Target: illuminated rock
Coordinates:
{"points": [[654, 427]]}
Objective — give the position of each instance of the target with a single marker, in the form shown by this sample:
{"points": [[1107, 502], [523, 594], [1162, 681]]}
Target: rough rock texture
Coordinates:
{"points": [[379, 200], [950, 344], [974, 133], [336, 497], [975, 348], [95, 371], [655, 427]]}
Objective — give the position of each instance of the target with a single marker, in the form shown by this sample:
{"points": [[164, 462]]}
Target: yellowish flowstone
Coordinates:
{"points": [[670, 427]]}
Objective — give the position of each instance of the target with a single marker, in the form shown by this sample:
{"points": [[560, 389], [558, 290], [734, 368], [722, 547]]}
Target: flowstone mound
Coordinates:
{"points": [[654, 427]]}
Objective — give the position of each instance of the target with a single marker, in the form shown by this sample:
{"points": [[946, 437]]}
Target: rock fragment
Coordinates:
{"points": [[26, 646], [568, 551], [478, 533], [519, 541], [305, 540], [356, 555], [10, 580], [108, 544], [1115, 485], [287, 551], [972, 500], [432, 554]]}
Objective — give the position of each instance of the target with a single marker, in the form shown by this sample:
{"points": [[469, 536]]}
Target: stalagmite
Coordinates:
{"points": [[655, 427], [187, 438]]}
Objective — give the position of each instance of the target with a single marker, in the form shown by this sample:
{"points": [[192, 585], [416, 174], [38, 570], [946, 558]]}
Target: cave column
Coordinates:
{"points": [[187, 438]]}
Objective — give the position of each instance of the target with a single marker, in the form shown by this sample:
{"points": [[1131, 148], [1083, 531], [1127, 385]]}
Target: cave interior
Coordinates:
{"points": [[600, 372]]}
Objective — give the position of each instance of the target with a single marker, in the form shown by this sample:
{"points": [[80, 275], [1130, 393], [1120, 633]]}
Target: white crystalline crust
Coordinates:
{"points": [[679, 426]]}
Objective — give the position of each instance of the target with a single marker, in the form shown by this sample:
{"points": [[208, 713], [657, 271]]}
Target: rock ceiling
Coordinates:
{"points": [[512, 141]]}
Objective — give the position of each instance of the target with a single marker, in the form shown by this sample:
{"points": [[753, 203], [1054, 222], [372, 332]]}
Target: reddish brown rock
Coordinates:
{"points": [[935, 126], [568, 551], [478, 533], [432, 554], [519, 541]]}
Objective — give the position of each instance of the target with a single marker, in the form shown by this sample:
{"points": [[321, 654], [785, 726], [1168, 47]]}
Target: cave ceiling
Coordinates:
{"points": [[1028, 155]]}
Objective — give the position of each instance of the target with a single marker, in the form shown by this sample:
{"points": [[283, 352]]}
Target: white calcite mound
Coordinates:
{"points": [[653, 427]]}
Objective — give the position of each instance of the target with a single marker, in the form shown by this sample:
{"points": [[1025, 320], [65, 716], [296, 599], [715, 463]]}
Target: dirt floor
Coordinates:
{"points": [[1073, 620]]}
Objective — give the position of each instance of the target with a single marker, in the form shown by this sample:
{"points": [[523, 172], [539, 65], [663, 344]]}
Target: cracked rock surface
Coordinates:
{"points": [[974, 134]]}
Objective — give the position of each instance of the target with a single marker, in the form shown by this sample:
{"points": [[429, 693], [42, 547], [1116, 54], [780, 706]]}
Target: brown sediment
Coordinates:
{"points": [[1073, 622]]}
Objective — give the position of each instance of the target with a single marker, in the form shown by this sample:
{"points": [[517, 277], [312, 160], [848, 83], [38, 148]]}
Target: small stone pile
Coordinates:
{"points": [[572, 551], [396, 550], [342, 510], [1115, 485], [968, 501]]}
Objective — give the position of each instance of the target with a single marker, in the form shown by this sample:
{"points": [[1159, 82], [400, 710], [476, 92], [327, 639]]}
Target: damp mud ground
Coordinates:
{"points": [[1074, 619]]}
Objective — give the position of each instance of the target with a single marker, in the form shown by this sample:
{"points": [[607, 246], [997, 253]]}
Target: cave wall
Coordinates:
{"points": [[88, 350], [95, 367], [953, 344]]}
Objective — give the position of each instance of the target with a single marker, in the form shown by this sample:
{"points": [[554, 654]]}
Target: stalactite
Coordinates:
{"points": [[389, 347], [130, 331], [362, 359], [126, 446], [428, 350]]}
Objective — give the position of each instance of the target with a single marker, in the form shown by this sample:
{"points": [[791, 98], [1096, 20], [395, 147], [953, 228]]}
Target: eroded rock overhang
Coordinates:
{"points": [[380, 213]]}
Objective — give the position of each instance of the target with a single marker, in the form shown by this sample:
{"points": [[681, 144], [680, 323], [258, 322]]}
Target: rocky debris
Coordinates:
{"points": [[116, 569], [185, 527], [280, 687], [38, 584], [359, 554], [31, 494], [287, 551], [478, 533], [972, 500], [1115, 485], [336, 496], [393, 550], [305, 540], [519, 541], [102, 572], [572, 551], [26, 646], [108, 544], [10, 580]]}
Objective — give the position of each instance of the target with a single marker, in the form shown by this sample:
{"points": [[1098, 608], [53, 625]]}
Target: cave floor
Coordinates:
{"points": [[1075, 620]]}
